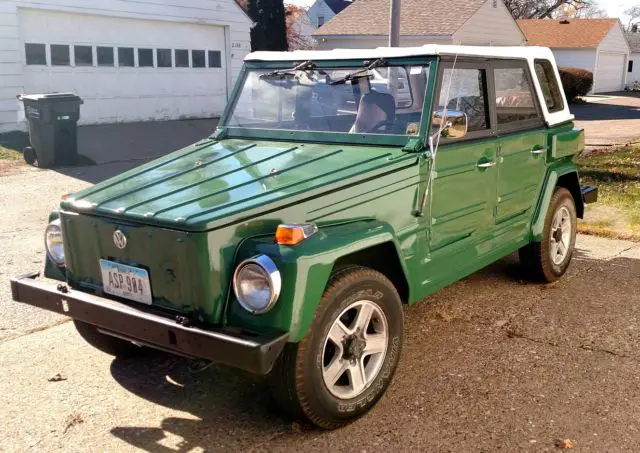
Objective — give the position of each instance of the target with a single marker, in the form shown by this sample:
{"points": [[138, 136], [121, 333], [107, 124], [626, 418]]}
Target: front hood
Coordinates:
{"points": [[216, 183]]}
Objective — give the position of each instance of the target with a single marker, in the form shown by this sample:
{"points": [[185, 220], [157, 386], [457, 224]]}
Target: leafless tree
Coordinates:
{"points": [[634, 17], [541, 9]]}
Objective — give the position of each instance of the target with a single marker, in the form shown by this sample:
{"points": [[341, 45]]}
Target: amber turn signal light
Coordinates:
{"points": [[294, 234]]}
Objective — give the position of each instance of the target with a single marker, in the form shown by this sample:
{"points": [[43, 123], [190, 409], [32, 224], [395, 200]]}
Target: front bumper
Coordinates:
{"points": [[253, 353]]}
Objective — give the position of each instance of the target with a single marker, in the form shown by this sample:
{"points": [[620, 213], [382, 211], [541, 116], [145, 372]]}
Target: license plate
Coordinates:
{"points": [[126, 281]]}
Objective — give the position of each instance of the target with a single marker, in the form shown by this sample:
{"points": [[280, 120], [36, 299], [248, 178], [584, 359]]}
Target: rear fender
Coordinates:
{"points": [[305, 269], [564, 175]]}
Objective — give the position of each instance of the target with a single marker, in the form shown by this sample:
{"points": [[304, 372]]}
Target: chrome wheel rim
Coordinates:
{"points": [[561, 233], [354, 349]]}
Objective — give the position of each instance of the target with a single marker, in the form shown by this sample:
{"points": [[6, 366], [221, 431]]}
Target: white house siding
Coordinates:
{"points": [[492, 25], [320, 9], [371, 42], [576, 58], [634, 75], [123, 93]]}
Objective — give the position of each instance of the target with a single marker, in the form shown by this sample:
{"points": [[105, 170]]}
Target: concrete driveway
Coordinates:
{"points": [[609, 120], [492, 363]]}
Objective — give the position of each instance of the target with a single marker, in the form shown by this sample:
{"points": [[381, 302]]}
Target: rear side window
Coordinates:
{"points": [[464, 90], [515, 102], [549, 84]]}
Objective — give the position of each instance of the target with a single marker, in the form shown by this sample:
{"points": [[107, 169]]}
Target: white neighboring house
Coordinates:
{"points": [[597, 45], [365, 24], [633, 67], [322, 11], [129, 60]]}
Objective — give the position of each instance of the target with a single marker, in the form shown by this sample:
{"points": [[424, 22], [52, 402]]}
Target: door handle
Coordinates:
{"points": [[486, 164], [538, 151]]}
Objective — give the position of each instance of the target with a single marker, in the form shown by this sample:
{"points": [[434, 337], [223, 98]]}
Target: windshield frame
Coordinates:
{"points": [[322, 136]]}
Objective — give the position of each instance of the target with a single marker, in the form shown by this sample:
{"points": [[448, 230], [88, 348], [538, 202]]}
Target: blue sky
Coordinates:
{"points": [[614, 8]]}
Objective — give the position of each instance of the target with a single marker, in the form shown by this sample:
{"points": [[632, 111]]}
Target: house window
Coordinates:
{"points": [[145, 58], [83, 55], [549, 84], [215, 59], [36, 54], [198, 58], [320, 21], [515, 103], [182, 58], [464, 90], [60, 55], [105, 56], [164, 58], [630, 66], [125, 57]]}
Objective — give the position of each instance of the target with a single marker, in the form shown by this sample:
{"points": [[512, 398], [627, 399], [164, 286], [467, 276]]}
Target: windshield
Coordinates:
{"points": [[381, 100]]}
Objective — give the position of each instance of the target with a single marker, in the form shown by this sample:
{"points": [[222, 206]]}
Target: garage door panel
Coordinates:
{"points": [[124, 93], [610, 72]]}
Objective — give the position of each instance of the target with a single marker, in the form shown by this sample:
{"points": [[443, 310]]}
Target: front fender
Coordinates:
{"points": [[305, 270], [550, 183]]}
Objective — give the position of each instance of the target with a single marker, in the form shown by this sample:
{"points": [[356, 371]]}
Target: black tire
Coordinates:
{"points": [[106, 343], [536, 257], [29, 155], [297, 378]]}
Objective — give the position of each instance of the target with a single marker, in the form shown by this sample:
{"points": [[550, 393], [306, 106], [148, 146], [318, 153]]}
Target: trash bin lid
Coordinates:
{"points": [[51, 97]]}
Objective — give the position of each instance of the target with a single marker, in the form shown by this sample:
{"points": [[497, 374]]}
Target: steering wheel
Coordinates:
{"points": [[382, 124]]}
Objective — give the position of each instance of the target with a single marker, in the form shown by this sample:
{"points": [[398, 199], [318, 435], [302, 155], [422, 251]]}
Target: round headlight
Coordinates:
{"points": [[257, 284], [53, 242]]}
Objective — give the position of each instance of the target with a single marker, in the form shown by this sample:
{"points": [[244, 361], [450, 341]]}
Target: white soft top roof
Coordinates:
{"points": [[521, 52]]}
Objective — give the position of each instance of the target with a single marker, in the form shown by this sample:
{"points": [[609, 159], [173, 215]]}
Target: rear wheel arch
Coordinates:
{"points": [[571, 182], [384, 258]]}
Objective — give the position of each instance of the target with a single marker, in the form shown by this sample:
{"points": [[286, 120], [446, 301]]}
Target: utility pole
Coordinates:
{"points": [[394, 24]]}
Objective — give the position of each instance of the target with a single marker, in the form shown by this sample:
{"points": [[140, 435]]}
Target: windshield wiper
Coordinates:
{"points": [[285, 73], [360, 73]]}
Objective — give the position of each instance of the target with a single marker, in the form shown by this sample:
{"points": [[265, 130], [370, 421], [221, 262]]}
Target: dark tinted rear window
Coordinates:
{"points": [[549, 85]]}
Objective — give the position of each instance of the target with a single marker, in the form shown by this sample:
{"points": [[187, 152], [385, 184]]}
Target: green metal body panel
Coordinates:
{"points": [[192, 216]]}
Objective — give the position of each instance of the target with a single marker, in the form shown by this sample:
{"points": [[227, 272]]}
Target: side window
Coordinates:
{"points": [[83, 55], [549, 84], [105, 56], [514, 98], [145, 58], [36, 54], [164, 57], [125, 57], [60, 55], [465, 90], [182, 58]]}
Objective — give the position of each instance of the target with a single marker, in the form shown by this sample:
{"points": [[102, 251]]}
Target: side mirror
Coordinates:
{"points": [[454, 126]]}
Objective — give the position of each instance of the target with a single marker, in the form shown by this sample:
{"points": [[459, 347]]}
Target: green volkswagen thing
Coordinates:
{"points": [[338, 186]]}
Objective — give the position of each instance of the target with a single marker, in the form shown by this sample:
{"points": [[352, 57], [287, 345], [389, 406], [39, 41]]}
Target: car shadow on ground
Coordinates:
{"points": [[223, 400]]}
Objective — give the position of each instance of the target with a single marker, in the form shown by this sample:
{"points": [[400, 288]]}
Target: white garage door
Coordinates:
{"points": [[610, 72], [126, 69]]}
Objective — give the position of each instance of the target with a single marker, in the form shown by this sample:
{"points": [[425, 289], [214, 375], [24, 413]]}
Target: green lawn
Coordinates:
{"points": [[9, 154], [617, 175]]}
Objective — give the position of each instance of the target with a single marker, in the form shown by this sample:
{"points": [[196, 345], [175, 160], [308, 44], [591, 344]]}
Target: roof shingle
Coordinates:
{"points": [[571, 34], [418, 18], [634, 41]]}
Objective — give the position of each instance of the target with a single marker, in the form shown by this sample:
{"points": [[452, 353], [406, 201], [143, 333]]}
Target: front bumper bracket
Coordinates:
{"points": [[236, 348]]}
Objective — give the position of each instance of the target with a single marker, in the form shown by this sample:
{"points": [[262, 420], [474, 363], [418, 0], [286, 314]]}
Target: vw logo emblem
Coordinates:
{"points": [[119, 239]]}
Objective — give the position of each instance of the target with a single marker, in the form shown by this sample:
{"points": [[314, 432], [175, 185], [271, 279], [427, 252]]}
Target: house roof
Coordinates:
{"points": [[634, 41], [572, 33], [371, 17], [337, 5]]}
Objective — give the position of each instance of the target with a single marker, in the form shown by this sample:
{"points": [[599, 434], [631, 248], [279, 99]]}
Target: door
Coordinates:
{"points": [[127, 69], [522, 145], [610, 72], [462, 199]]}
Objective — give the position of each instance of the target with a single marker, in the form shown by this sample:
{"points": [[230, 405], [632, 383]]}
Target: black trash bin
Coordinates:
{"points": [[53, 121]]}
